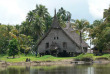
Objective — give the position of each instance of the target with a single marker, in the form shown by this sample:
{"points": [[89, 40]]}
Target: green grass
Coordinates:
{"points": [[104, 56], [22, 58], [92, 56], [82, 56]]}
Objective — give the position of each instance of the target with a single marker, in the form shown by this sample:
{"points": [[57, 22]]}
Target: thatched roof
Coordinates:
{"points": [[55, 23], [75, 37], [68, 32]]}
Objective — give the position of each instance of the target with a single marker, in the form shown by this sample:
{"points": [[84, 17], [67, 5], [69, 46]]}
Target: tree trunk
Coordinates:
{"points": [[81, 42], [24, 51], [90, 43], [13, 56]]}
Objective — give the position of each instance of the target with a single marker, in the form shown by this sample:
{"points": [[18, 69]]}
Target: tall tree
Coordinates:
{"points": [[81, 27], [106, 15], [100, 32], [4, 37], [41, 11], [63, 16], [37, 22], [13, 48]]}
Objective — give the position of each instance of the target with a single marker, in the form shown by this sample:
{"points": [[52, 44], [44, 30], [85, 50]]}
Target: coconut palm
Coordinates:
{"points": [[81, 26], [63, 16], [30, 17], [106, 15], [38, 27], [41, 10], [37, 22]]}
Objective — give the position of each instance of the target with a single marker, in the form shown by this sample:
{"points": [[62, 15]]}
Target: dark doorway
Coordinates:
{"points": [[53, 52], [47, 45], [47, 52], [64, 45], [63, 54]]}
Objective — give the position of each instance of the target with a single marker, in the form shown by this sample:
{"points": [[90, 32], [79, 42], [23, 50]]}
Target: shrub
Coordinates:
{"points": [[83, 57], [13, 47]]}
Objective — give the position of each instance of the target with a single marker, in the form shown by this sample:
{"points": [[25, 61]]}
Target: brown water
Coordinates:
{"points": [[72, 69]]}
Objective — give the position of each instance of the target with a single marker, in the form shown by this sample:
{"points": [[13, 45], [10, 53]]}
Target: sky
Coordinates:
{"points": [[14, 11]]}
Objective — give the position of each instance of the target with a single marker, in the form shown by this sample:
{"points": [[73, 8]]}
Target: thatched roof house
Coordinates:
{"points": [[61, 41]]}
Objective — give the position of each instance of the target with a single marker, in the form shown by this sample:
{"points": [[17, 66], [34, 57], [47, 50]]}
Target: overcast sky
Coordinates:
{"points": [[15, 11]]}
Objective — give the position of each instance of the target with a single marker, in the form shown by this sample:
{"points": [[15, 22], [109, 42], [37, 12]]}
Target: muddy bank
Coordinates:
{"points": [[35, 63], [62, 62]]}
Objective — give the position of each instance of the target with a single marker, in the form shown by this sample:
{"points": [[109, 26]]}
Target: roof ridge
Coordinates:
{"points": [[55, 23]]}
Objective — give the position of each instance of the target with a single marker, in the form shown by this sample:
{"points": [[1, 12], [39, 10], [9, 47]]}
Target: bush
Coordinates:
{"points": [[13, 47], [85, 57]]}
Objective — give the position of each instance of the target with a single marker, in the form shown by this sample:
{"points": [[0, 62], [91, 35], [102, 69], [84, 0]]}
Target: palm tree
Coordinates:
{"points": [[30, 17], [81, 27], [63, 16], [38, 27], [48, 22], [41, 11], [25, 28], [106, 15]]}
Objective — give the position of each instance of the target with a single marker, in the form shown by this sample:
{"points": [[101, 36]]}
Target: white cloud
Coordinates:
{"points": [[96, 7], [66, 4], [10, 12], [15, 11]]}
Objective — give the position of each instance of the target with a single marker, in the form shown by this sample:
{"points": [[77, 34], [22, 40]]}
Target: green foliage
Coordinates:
{"points": [[37, 22], [82, 56], [4, 37], [38, 55], [63, 16], [80, 26], [13, 47], [106, 15], [22, 58], [92, 56], [25, 43], [106, 55], [100, 32]]}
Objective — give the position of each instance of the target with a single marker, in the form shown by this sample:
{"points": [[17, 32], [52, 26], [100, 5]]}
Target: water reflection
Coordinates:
{"points": [[74, 69]]}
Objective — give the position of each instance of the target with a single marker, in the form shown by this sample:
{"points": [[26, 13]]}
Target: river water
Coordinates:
{"points": [[67, 69]]}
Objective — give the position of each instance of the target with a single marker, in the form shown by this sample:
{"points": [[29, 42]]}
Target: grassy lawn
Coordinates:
{"points": [[22, 58], [92, 56]]}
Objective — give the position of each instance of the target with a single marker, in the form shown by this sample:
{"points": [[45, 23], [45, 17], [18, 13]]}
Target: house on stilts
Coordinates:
{"points": [[60, 41]]}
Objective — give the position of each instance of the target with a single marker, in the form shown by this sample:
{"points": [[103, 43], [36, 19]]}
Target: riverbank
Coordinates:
{"points": [[34, 60], [50, 60], [49, 63], [36, 63]]}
